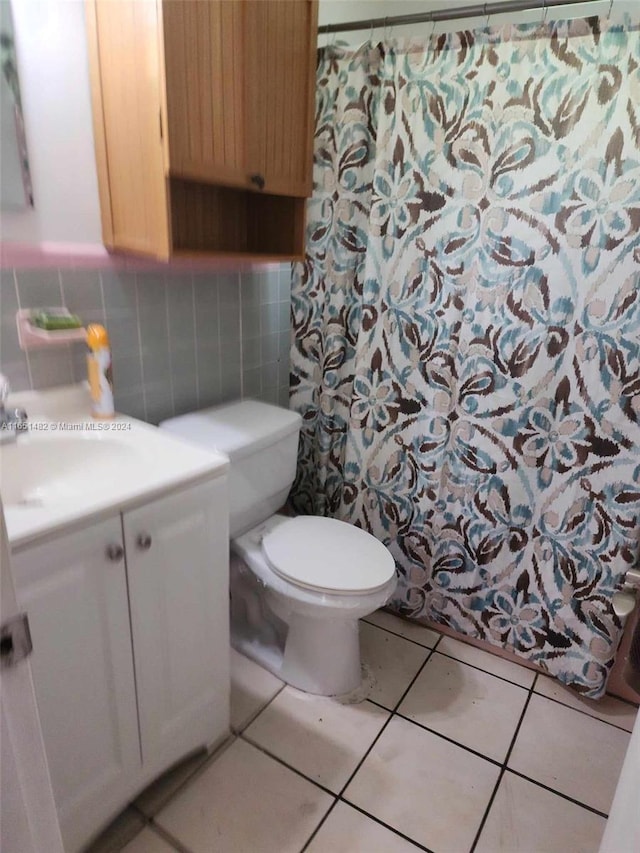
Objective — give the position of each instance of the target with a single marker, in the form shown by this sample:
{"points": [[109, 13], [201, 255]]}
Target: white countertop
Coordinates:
{"points": [[128, 463]]}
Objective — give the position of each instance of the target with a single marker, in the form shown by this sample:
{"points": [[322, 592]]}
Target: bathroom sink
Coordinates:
{"points": [[35, 471], [69, 468]]}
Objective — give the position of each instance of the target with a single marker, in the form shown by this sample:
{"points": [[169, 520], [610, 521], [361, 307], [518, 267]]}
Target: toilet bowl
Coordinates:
{"points": [[319, 577], [298, 585]]}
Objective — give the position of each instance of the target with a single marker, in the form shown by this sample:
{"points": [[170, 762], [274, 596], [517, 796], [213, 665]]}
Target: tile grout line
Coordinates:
{"points": [[337, 797], [261, 285], [486, 671], [144, 395], [262, 708], [457, 743], [453, 657], [503, 768], [459, 660], [335, 802], [281, 761], [430, 653], [557, 793], [170, 348], [166, 836], [218, 342], [16, 288], [508, 680], [486, 757], [67, 347], [401, 636], [584, 713], [192, 283], [208, 758], [375, 740], [495, 762], [102, 299], [150, 820], [378, 820], [340, 796], [240, 335], [626, 701]]}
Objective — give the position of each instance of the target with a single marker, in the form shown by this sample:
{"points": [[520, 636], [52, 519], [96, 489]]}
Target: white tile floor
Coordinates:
{"points": [[455, 750]]}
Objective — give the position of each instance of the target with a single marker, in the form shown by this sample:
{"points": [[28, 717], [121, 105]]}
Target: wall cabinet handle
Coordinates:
{"points": [[143, 541], [258, 180], [114, 553]]}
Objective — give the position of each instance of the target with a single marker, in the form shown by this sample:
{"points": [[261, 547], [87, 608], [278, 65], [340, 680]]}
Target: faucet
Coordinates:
{"points": [[12, 421]]}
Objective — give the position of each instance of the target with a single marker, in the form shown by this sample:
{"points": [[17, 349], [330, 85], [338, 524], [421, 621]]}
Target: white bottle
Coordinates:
{"points": [[99, 370]]}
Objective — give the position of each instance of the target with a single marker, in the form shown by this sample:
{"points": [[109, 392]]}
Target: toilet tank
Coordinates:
{"points": [[261, 442]]}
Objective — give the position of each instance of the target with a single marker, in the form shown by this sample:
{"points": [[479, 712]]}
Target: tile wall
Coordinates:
{"points": [[180, 341]]}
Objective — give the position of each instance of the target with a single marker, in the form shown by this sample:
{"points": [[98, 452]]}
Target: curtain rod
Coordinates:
{"points": [[436, 15]]}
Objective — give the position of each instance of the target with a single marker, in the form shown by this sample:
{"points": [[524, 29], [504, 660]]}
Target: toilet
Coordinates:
{"points": [[298, 585]]}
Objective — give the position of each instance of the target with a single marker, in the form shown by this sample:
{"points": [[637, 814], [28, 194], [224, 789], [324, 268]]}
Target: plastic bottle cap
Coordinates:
{"points": [[97, 337]]}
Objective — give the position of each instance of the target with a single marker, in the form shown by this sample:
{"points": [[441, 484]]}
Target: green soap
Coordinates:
{"points": [[56, 322]]}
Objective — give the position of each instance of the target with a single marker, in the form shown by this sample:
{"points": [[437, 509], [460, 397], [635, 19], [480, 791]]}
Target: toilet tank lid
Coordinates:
{"points": [[236, 429]]}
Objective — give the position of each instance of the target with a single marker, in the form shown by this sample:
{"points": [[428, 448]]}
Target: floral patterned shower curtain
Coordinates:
{"points": [[466, 350]]}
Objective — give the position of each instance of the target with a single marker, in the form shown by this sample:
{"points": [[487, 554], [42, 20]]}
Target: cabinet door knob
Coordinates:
{"points": [[258, 180], [143, 541], [115, 553]]}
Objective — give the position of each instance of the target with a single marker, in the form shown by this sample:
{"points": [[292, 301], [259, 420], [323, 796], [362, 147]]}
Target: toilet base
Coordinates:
{"points": [[322, 656], [307, 638], [319, 656]]}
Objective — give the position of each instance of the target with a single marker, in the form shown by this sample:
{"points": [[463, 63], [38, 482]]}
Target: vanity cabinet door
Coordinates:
{"points": [[74, 590], [177, 559]]}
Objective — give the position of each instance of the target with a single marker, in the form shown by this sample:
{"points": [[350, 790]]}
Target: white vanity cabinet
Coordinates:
{"points": [[76, 600], [177, 555], [129, 620]]}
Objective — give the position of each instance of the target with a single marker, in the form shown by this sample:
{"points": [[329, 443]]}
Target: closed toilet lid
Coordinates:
{"points": [[330, 555]]}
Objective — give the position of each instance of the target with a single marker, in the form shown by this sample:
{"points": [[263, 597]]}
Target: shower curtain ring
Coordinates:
{"points": [[544, 12], [610, 8], [487, 14]]}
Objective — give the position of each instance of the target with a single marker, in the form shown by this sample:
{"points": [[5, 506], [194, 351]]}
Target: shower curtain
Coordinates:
{"points": [[466, 353]]}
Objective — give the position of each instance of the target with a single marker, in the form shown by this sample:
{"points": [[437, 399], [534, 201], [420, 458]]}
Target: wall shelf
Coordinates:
{"points": [[32, 337]]}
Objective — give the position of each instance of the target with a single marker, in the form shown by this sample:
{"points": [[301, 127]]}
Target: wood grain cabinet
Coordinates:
{"points": [[203, 124]]}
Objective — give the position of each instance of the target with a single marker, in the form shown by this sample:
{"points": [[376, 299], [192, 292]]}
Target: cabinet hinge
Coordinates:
{"points": [[160, 118], [15, 640]]}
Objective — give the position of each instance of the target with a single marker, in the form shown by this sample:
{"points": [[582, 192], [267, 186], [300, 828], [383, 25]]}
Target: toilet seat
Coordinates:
{"points": [[327, 555]]}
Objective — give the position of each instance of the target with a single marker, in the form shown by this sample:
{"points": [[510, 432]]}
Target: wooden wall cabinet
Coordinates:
{"points": [[203, 124]]}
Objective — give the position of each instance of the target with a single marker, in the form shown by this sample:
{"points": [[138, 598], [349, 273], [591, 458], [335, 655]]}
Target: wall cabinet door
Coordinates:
{"points": [[177, 558], [240, 78], [280, 47], [76, 599], [126, 88], [203, 55]]}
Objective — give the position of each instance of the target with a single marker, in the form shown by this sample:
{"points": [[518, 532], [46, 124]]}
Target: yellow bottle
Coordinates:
{"points": [[99, 370]]}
